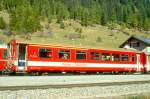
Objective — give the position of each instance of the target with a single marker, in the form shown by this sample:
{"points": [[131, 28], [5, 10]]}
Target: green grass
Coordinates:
{"points": [[90, 33], [109, 39]]}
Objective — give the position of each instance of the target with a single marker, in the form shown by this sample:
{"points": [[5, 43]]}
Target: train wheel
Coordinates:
{"points": [[35, 73], [1, 72], [12, 73]]}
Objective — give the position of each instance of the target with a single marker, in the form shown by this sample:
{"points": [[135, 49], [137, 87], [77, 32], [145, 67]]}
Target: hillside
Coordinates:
{"points": [[74, 34], [90, 23]]}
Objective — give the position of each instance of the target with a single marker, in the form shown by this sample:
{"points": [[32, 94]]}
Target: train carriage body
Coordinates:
{"points": [[3, 57], [48, 58]]}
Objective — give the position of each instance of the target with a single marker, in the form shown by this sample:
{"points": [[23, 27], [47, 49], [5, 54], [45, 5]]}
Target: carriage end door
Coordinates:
{"points": [[22, 57]]}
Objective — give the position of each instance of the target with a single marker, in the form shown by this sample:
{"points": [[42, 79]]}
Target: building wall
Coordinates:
{"points": [[3, 45], [129, 45]]}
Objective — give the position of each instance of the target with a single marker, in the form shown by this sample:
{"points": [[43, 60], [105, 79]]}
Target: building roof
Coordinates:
{"points": [[140, 38]]}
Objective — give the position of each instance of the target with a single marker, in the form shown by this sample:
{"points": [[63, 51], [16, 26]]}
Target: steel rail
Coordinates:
{"points": [[33, 87]]}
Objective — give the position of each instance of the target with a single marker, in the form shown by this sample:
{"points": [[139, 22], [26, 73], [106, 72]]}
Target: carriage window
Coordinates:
{"points": [[106, 57], [125, 57], [133, 58], [94, 56], [64, 54], [5, 54], [115, 57], [45, 53], [80, 55]]}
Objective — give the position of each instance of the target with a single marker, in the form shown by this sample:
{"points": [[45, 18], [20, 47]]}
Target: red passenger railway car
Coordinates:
{"points": [[27, 57], [3, 57]]}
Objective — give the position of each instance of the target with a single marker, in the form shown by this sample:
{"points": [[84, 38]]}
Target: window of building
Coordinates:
{"points": [[125, 57], [133, 58], [135, 44], [94, 55], [105, 57], [45, 53], [64, 54], [115, 57], [80, 55], [5, 54], [138, 44]]}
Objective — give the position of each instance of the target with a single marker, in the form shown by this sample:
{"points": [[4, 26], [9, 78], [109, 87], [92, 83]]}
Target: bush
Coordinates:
{"points": [[7, 31], [62, 25], [50, 19], [79, 30], [2, 23], [99, 39]]}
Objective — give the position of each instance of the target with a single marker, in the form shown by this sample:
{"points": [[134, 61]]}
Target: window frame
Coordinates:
{"points": [[109, 54], [114, 58], [134, 44], [132, 58], [5, 52], [127, 55], [64, 53], [45, 57], [97, 52], [80, 52]]}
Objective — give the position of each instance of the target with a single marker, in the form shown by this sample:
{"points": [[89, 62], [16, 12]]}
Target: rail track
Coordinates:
{"points": [[29, 87]]}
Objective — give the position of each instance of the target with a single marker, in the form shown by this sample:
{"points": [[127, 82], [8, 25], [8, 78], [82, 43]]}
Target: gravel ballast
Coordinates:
{"points": [[76, 93]]}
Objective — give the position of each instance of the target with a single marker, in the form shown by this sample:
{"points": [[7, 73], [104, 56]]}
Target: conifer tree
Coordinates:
{"points": [[132, 13]]}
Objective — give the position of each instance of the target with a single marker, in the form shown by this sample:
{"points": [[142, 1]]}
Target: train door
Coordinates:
{"points": [[143, 62], [138, 63], [22, 57], [148, 63]]}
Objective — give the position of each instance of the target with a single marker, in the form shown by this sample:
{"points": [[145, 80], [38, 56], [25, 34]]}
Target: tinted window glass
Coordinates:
{"points": [[124, 57], [133, 58], [64, 54], [115, 57], [80, 55], [5, 54], [94, 56], [105, 57], [45, 53]]}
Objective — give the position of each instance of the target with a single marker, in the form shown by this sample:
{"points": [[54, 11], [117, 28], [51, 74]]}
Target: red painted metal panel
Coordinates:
{"points": [[143, 58], [3, 60], [79, 69], [33, 56]]}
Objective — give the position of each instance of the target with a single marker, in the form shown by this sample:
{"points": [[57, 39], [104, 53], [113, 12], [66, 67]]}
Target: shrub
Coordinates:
{"points": [[2, 23], [99, 39], [79, 30], [62, 25], [7, 31]]}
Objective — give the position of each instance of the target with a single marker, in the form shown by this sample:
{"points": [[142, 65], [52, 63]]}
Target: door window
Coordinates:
{"points": [[5, 54]]}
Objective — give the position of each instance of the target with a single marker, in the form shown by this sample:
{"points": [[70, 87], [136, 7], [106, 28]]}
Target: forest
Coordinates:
{"points": [[25, 15]]}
